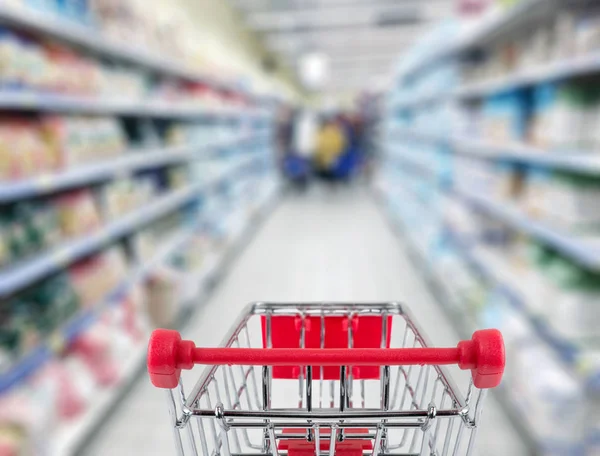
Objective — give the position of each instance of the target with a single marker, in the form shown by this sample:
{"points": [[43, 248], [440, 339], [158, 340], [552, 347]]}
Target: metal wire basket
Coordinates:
{"points": [[325, 379]]}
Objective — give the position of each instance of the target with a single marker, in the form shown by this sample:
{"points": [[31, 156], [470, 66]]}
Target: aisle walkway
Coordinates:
{"points": [[315, 247]]}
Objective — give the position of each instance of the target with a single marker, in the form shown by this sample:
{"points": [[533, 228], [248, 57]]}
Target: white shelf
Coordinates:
{"points": [[490, 27], [423, 99], [568, 68], [32, 101], [440, 53], [576, 161], [419, 135], [582, 162], [93, 41], [583, 251], [131, 161]]}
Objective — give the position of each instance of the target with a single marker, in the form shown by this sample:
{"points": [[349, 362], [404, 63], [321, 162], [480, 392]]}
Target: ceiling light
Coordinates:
{"points": [[313, 69]]}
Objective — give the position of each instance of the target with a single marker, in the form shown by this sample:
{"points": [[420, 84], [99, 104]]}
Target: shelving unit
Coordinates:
{"points": [[425, 201], [132, 161], [444, 295], [549, 72], [231, 150], [70, 439], [586, 252], [20, 275], [93, 41], [29, 101], [585, 162]]}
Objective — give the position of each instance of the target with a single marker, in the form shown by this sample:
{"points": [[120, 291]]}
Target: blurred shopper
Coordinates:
{"points": [[305, 134], [284, 135], [347, 164], [331, 144], [299, 158]]}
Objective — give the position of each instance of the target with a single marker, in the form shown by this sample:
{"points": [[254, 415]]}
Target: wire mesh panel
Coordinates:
{"points": [[324, 386]]}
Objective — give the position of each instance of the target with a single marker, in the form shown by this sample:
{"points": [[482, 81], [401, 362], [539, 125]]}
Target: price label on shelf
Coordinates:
{"points": [[44, 183], [62, 257], [29, 100]]}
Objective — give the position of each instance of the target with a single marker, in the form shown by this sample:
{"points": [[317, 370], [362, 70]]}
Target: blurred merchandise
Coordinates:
{"points": [[81, 140], [35, 147], [78, 213], [163, 307], [95, 277], [27, 228], [34, 416], [489, 172], [134, 156], [122, 196]]}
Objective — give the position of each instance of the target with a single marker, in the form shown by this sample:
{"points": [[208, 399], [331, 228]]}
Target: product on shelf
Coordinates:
{"points": [[147, 241], [515, 231], [78, 213], [35, 414], [27, 228], [45, 67], [567, 201], [95, 277], [178, 177], [163, 305], [119, 197], [565, 117], [543, 388], [33, 147], [32, 315], [571, 32], [83, 140], [23, 151]]}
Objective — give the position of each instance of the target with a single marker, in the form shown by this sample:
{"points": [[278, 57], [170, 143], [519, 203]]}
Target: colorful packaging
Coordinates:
{"points": [[94, 278], [77, 213]]}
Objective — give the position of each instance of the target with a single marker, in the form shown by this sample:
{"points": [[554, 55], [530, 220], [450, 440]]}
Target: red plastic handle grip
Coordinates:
{"points": [[483, 355]]}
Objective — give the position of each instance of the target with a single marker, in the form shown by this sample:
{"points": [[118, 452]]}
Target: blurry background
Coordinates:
{"points": [[162, 163]]}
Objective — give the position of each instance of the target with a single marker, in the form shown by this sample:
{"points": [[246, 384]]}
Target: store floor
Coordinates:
{"points": [[318, 246]]}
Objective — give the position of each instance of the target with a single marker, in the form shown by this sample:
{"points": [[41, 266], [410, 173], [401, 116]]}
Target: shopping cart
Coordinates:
{"points": [[327, 382]]}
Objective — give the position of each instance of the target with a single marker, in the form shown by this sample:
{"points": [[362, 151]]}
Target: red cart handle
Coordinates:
{"points": [[483, 355]]}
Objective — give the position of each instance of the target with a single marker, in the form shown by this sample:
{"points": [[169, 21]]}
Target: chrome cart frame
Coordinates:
{"points": [[391, 394]]}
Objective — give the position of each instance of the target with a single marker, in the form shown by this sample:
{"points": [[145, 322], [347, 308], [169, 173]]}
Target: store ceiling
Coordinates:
{"points": [[362, 39]]}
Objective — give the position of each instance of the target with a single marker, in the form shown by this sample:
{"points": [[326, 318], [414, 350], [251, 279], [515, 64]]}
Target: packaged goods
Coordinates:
{"points": [[94, 278], [542, 388], [567, 201], [93, 348], [27, 228], [587, 31], [163, 303], [9, 56], [23, 153], [82, 140], [536, 191], [32, 315], [122, 196], [570, 294], [544, 100], [20, 427], [77, 212]]}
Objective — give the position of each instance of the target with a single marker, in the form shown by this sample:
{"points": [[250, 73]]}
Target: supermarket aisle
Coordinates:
{"points": [[318, 246]]}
